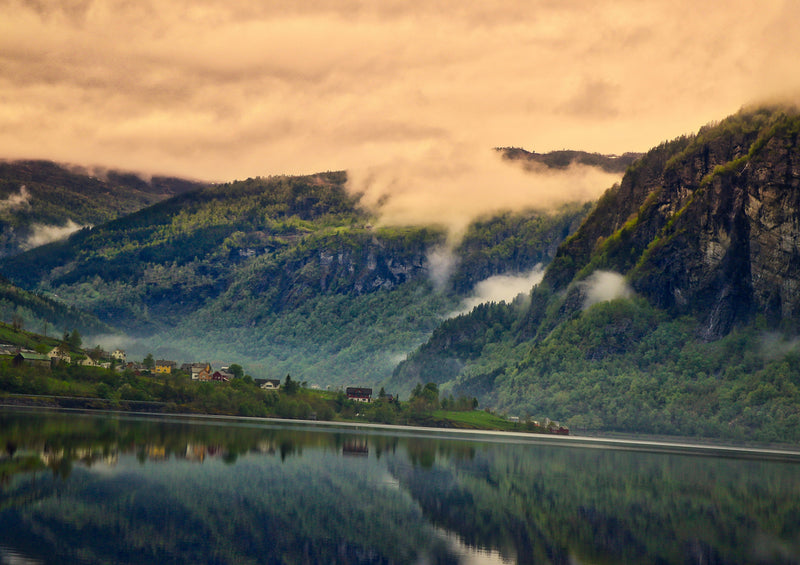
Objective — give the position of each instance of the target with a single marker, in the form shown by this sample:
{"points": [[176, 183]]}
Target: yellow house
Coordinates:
{"points": [[164, 367]]}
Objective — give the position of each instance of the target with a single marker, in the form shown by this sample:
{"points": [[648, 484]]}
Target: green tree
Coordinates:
{"points": [[289, 386], [148, 361], [424, 398], [237, 370], [74, 340], [428, 393]]}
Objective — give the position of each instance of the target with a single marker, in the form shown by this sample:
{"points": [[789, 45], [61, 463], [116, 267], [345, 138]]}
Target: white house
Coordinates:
{"points": [[59, 353]]}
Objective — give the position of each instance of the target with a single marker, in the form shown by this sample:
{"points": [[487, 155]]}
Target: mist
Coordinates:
{"points": [[109, 342], [603, 286], [16, 200], [441, 263], [43, 234], [500, 288], [775, 346]]}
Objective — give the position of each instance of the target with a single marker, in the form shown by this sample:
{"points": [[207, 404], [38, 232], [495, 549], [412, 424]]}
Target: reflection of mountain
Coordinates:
{"points": [[559, 505], [323, 508], [288, 495]]}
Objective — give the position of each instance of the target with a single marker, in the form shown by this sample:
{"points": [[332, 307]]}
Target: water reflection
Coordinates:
{"points": [[98, 489]]}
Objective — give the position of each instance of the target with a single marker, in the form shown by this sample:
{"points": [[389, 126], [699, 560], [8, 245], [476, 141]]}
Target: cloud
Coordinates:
{"points": [[43, 234], [16, 200], [603, 286], [501, 288], [451, 185], [596, 98], [222, 90]]}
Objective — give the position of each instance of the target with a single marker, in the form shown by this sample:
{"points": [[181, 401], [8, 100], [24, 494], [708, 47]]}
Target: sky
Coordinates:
{"points": [[410, 97]]}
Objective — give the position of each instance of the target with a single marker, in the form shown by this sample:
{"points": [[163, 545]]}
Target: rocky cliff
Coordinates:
{"points": [[707, 224]]}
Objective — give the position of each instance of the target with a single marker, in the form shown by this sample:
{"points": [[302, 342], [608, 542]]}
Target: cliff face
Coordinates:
{"points": [[708, 225]]}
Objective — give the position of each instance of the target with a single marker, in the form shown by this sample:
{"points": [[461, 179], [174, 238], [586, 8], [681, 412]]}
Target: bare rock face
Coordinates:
{"points": [[708, 225]]}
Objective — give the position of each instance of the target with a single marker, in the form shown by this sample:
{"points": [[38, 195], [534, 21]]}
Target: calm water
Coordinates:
{"points": [[78, 488]]}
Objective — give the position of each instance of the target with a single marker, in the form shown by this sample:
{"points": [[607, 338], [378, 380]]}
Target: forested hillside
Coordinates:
{"points": [[41, 201], [566, 158], [673, 309], [36, 313], [282, 274]]}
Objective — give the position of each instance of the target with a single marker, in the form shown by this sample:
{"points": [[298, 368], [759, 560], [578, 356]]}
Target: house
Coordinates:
{"points": [[119, 355], [165, 367], [222, 376], [268, 384], [135, 368], [201, 371], [31, 359], [359, 394], [59, 353], [89, 362]]}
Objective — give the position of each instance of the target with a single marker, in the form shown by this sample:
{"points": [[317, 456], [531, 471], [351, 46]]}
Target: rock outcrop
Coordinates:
{"points": [[707, 225]]}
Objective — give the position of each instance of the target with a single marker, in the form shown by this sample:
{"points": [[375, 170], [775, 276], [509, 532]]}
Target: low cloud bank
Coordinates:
{"points": [[501, 288], [603, 286], [43, 234], [452, 185]]}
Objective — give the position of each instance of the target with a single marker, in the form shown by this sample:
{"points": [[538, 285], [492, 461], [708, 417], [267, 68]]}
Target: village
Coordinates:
{"points": [[57, 372], [66, 353]]}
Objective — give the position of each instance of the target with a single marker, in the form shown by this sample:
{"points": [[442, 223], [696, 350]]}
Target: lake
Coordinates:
{"points": [[112, 488]]}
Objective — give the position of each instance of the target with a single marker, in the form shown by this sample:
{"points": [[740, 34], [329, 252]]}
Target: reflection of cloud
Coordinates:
{"points": [[501, 288], [16, 200], [602, 286], [470, 554], [43, 234]]}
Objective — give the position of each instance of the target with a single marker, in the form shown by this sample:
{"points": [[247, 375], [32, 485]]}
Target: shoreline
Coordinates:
{"points": [[676, 445]]}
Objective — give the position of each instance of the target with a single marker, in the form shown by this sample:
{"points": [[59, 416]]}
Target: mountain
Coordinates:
{"points": [[41, 201], [282, 275], [672, 309]]}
